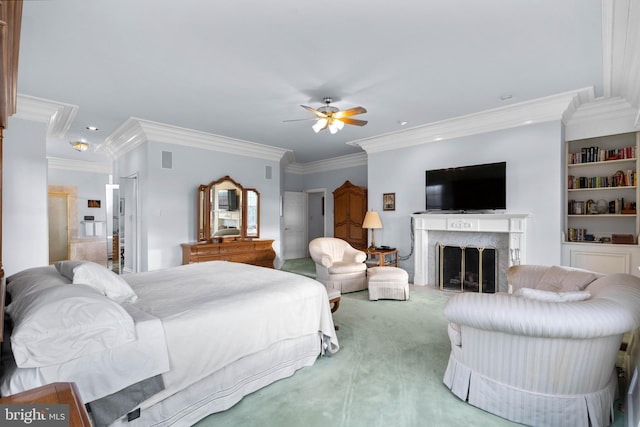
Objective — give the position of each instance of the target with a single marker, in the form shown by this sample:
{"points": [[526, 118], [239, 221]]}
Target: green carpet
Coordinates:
{"points": [[388, 372], [303, 266]]}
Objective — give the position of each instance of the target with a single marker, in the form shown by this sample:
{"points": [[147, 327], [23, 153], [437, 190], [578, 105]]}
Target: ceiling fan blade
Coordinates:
{"points": [[314, 111], [350, 112], [353, 121], [303, 120]]}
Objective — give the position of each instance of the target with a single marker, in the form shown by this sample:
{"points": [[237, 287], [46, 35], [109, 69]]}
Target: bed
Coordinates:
{"points": [[166, 347]]}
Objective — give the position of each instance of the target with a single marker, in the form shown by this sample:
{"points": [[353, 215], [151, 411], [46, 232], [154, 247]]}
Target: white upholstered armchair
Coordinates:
{"points": [[544, 355], [338, 264]]}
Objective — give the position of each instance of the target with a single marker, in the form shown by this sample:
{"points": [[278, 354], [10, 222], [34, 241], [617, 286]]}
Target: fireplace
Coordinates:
{"points": [[466, 268], [506, 233]]}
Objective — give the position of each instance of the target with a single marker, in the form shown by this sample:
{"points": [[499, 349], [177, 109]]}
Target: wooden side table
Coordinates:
{"points": [[54, 393], [382, 257]]}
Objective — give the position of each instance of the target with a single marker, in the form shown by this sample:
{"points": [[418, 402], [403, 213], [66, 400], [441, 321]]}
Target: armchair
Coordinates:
{"points": [[338, 264], [538, 360]]}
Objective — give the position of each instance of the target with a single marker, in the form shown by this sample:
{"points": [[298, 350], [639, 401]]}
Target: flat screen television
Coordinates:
{"points": [[474, 188]]}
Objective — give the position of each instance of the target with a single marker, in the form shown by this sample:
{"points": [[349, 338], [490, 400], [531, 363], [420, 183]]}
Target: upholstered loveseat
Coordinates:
{"points": [[544, 354]]}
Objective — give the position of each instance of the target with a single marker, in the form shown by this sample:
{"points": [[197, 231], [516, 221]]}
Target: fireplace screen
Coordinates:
{"points": [[467, 269]]}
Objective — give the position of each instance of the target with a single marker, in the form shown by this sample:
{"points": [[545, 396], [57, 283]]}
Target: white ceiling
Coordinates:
{"points": [[241, 68]]}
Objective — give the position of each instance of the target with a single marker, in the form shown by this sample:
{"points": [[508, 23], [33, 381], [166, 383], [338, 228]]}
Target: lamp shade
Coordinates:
{"points": [[372, 220]]}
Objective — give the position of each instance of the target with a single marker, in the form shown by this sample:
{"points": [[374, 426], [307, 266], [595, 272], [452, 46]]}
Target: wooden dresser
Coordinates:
{"points": [[257, 252], [349, 208]]}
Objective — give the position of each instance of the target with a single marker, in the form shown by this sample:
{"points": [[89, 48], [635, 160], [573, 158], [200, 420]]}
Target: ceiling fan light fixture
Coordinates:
{"points": [[319, 125], [79, 145]]}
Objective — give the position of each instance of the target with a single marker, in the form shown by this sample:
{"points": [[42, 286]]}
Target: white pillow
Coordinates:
{"points": [[557, 279], [98, 277], [541, 295], [34, 280], [62, 323]]}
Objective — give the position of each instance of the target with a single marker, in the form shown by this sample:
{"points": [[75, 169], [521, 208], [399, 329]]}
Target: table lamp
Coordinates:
{"points": [[372, 221]]}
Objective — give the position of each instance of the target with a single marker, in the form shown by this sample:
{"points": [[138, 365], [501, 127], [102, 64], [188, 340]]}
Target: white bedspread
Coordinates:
{"points": [[217, 312]]}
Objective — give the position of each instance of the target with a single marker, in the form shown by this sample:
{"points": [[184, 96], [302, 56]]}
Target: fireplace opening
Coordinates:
{"points": [[467, 268]]}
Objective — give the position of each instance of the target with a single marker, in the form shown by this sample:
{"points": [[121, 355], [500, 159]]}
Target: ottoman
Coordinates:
{"points": [[388, 283]]}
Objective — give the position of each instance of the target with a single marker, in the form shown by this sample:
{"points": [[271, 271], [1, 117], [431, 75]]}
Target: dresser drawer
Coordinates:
{"points": [[233, 248], [256, 252]]}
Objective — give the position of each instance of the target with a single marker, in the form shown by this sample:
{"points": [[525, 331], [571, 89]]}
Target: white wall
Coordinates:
{"points": [[25, 225], [534, 183], [168, 197], [329, 180]]}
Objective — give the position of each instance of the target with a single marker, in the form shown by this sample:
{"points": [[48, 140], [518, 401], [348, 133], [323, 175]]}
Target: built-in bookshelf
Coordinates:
{"points": [[602, 190]]}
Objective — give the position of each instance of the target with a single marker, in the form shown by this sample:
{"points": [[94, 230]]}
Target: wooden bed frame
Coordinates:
{"points": [[10, 24]]}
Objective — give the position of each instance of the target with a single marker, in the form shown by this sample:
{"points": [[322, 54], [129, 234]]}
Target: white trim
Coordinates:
{"points": [[79, 165], [555, 107], [604, 116], [342, 162], [137, 131], [57, 115], [607, 46]]}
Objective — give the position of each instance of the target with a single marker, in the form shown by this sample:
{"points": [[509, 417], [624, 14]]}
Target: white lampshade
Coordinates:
{"points": [[372, 220]]}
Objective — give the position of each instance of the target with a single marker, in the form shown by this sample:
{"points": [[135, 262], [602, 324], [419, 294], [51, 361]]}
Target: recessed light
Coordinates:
{"points": [[402, 122], [92, 128]]}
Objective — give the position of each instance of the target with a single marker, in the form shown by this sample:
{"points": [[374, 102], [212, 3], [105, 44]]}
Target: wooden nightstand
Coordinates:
{"points": [[54, 393]]}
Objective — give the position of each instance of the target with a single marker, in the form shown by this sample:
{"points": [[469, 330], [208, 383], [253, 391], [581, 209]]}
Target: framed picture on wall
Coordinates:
{"points": [[389, 201]]}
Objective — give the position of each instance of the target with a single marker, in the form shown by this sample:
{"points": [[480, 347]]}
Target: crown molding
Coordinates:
{"points": [[555, 107], [621, 49], [128, 136], [57, 115], [336, 163], [136, 131], [604, 116], [79, 165]]}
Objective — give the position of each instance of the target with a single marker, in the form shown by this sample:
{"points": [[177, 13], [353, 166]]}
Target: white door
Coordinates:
{"points": [[294, 211]]}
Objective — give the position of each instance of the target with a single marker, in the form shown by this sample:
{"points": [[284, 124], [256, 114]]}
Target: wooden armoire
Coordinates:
{"points": [[349, 209]]}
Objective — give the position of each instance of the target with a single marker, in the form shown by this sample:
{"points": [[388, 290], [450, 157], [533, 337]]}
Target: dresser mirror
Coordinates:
{"points": [[227, 211]]}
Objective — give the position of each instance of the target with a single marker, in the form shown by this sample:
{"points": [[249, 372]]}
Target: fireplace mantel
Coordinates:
{"points": [[513, 224]]}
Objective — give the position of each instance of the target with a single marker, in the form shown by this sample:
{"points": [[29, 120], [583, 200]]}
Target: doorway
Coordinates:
{"points": [[128, 248], [59, 213], [304, 220]]}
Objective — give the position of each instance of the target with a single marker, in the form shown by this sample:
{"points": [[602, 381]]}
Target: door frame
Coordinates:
{"points": [[322, 191]]}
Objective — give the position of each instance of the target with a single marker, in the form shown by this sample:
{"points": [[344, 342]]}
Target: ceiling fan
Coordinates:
{"points": [[332, 118]]}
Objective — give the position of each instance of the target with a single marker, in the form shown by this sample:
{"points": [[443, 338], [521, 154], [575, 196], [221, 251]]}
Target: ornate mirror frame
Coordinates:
{"points": [[227, 211]]}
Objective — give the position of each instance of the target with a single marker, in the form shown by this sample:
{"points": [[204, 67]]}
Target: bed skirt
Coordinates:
{"points": [[229, 385], [530, 408]]}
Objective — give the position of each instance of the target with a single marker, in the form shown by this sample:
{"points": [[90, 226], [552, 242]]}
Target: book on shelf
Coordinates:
{"points": [[597, 154], [628, 178]]}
